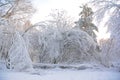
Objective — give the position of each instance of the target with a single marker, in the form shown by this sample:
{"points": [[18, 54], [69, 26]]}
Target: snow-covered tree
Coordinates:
{"points": [[85, 21], [5, 39], [63, 46], [18, 56], [14, 17], [33, 43], [78, 47], [60, 19], [16, 12], [107, 17]]}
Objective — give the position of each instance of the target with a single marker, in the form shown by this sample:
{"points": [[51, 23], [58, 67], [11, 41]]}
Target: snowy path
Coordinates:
{"points": [[63, 75]]}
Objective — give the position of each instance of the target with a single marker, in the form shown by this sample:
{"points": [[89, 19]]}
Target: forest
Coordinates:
{"points": [[91, 42]]}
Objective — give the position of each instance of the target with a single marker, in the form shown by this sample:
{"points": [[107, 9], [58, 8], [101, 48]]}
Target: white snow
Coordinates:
{"points": [[58, 74]]}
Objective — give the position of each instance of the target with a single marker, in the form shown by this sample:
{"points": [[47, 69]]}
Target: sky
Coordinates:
{"points": [[44, 7]]}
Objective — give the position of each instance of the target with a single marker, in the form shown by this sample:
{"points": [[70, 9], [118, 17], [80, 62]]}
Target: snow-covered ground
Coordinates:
{"points": [[62, 74]]}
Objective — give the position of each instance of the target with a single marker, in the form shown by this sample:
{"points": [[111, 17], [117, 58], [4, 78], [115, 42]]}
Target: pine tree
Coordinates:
{"points": [[85, 21]]}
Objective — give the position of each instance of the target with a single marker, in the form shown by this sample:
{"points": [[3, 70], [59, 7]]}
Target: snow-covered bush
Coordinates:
{"points": [[57, 45], [78, 46], [18, 56]]}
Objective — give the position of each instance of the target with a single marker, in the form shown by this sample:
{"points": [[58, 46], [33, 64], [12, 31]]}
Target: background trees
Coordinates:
{"points": [[56, 41], [67, 46], [59, 18]]}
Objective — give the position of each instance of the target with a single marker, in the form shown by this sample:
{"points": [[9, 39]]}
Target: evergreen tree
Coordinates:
{"points": [[85, 21]]}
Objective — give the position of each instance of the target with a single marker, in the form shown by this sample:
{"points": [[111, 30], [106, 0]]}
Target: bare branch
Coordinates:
{"points": [[4, 4]]}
